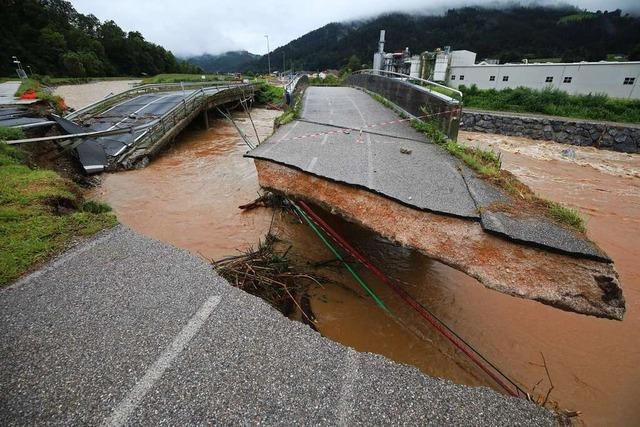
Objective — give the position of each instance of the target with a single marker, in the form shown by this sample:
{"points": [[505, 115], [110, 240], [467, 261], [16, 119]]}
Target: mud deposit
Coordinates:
{"points": [[78, 96], [189, 197]]}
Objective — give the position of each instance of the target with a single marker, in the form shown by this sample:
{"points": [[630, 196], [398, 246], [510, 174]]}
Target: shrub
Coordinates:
{"points": [[94, 207], [553, 102]]}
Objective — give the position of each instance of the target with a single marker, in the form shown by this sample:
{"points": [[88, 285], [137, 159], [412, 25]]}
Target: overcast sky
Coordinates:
{"points": [[191, 27]]}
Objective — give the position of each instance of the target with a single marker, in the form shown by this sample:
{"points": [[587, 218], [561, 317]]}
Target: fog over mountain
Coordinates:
{"points": [[194, 27]]}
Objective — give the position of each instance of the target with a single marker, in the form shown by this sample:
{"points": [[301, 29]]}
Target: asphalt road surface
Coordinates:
{"points": [[346, 136], [124, 330]]}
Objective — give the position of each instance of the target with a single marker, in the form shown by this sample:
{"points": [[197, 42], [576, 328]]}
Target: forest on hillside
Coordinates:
{"points": [[52, 38], [508, 34], [227, 62]]}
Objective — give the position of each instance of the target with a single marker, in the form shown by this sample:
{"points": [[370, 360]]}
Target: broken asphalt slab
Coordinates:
{"points": [[427, 179], [127, 330]]}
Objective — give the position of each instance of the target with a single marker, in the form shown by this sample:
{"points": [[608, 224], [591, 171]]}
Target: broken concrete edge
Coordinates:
{"points": [[363, 187], [490, 219], [601, 256], [569, 283]]}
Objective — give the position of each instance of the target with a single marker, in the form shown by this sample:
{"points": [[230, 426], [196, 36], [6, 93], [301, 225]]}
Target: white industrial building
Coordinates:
{"points": [[458, 67], [616, 79]]}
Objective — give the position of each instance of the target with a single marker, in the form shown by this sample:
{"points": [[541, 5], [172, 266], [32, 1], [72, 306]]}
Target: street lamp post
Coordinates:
{"points": [[268, 53], [19, 68]]}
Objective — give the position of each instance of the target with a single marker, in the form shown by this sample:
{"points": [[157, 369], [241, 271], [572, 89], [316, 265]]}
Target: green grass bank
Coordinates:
{"points": [[553, 102], [41, 213]]}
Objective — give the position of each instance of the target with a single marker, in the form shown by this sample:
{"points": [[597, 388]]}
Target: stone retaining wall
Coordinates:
{"points": [[608, 136]]}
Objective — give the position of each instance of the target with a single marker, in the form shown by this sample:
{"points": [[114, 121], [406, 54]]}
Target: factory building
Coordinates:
{"points": [[459, 67], [615, 79]]}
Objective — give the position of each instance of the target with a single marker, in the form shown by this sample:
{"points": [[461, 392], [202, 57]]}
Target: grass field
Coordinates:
{"points": [[553, 102], [41, 213]]}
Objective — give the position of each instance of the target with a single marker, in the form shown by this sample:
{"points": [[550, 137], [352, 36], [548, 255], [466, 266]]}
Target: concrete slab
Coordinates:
{"points": [[427, 179], [527, 227], [128, 330], [425, 176]]}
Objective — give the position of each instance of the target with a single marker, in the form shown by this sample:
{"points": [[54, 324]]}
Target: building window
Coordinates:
{"points": [[629, 80], [461, 77], [567, 80], [453, 77], [549, 79], [505, 78], [492, 78]]}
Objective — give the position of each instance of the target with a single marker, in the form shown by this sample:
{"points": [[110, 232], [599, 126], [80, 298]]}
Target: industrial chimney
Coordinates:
{"points": [[378, 57]]}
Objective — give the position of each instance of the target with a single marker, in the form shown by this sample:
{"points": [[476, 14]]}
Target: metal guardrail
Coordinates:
{"points": [[190, 105], [434, 87], [417, 97], [112, 100], [291, 85]]}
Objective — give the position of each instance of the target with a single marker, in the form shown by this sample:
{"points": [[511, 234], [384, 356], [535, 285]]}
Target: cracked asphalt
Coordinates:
{"points": [[396, 161], [125, 330]]}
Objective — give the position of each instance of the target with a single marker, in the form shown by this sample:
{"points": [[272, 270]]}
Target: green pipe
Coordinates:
{"points": [[337, 254]]}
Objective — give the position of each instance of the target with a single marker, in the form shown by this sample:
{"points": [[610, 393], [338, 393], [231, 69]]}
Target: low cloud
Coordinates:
{"points": [[192, 27]]}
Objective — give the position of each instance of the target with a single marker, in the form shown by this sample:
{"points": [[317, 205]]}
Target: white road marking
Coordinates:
{"points": [[270, 147], [295, 124], [312, 163], [364, 121], [140, 109], [125, 408], [369, 163], [346, 392], [117, 105], [324, 140]]}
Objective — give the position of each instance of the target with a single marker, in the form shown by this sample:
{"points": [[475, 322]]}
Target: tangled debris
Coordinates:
{"points": [[266, 272]]}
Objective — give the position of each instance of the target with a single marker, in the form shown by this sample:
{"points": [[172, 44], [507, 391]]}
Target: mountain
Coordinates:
{"points": [[508, 34], [51, 37], [228, 62]]}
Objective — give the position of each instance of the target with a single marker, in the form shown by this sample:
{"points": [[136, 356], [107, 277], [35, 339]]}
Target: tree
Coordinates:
{"points": [[634, 53], [354, 63], [73, 64]]}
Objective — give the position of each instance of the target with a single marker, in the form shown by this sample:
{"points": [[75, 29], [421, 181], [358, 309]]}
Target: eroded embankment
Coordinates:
{"points": [[575, 284]]}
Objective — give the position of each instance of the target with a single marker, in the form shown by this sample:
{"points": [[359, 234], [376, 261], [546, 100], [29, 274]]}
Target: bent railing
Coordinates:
{"points": [[423, 99], [190, 106], [112, 100]]}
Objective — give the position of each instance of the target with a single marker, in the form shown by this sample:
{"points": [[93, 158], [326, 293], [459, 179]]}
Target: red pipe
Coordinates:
{"points": [[404, 295]]}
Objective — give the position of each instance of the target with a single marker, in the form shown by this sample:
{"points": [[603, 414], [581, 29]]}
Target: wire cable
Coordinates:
{"points": [[460, 343]]}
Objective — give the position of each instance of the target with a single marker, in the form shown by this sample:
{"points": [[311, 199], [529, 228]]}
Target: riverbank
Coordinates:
{"points": [[80, 95], [126, 329], [41, 213]]}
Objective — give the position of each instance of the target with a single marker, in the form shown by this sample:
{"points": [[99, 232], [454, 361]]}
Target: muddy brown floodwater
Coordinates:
{"points": [[189, 197]]}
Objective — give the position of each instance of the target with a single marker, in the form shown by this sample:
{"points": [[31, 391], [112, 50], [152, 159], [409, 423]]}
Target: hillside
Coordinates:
{"points": [[53, 38], [228, 62], [507, 34]]}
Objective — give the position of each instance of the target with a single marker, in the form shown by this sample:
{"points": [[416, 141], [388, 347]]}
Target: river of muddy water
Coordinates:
{"points": [[189, 197]]}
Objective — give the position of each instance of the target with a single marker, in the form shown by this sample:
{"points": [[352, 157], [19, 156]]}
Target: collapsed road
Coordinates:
{"points": [[412, 192], [125, 129]]}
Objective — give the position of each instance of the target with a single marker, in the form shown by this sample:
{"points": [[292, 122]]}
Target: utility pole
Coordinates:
{"points": [[268, 53], [283, 63]]}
